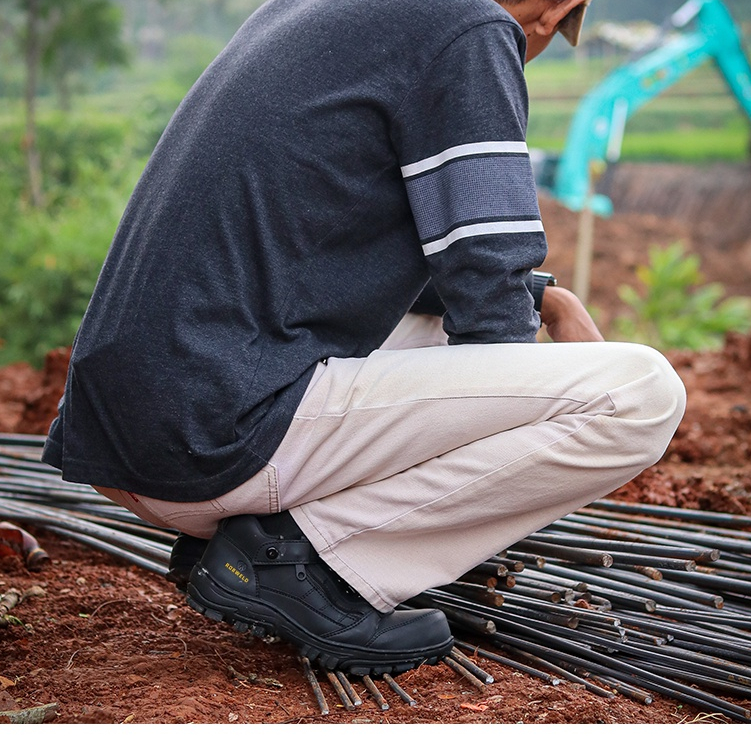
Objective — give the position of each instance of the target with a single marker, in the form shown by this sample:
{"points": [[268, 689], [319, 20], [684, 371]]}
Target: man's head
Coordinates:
{"points": [[541, 19]]}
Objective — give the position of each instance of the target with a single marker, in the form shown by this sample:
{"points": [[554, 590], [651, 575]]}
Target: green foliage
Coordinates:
{"points": [[676, 310], [88, 33], [71, 145], [50, 257]]}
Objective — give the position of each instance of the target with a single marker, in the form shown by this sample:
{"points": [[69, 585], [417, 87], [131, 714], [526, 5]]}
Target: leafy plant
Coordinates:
{"points": [[50, 256], [675, 309], [47, 273]]}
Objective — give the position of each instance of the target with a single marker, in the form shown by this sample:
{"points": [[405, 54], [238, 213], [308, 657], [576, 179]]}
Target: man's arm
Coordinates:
{"points": [[460, 140]]}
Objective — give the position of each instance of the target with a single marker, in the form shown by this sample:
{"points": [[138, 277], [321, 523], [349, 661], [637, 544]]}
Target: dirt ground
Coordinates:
{"points": [[110, 643]]}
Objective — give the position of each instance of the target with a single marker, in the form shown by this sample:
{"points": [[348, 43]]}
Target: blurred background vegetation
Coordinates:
{"points": [[87, 87]]}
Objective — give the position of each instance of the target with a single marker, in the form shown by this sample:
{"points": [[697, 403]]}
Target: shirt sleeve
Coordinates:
{"points": [[461, 140]]}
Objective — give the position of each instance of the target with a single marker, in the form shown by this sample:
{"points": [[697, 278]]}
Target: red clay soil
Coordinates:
{"points": [[111, 643]]}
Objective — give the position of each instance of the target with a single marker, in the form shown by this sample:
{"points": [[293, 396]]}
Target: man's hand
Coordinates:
{"points": [[566, 319]]}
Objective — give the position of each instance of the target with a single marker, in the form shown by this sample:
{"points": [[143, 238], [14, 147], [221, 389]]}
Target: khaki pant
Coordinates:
{"points": [[409, 467]]}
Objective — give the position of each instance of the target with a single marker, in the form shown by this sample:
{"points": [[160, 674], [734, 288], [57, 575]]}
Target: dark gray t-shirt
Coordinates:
{"points": [[334, 158]]}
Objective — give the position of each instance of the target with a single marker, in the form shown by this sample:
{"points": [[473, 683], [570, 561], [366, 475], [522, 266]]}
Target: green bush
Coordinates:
{"points": [[48, 267], [70, 146], [675, 310], [50, 257]]}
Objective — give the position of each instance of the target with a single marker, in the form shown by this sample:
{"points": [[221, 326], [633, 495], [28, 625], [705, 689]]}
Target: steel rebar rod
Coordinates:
{"points": [[600, 586], [458, 615], [473, 592], [567, 594], [470, 577], [480, 617], [145, 563], [625, 689], [568, 618], [699, 636], [513, 664], [646, 679], [670, 657], [661, 591], [593, 669], [726, 563], [315, 685], [711, 581], [476, 670], [65, 526], [375, 693], [711, 541], [458, 668], [726, 688], [340, 692], [517, 566], [618, 529], [716, 518], [23, 439], [536, 593], [563, 672], [491, 569], [542, 611], [349, 689], [660, 523], [526, 559], [533, 606], [732, 661], [618, 635], [728, 652], [544, 575], [620, 546], [575, 555], [716, 618], [633, 635], [398, 690], [699, 669]]}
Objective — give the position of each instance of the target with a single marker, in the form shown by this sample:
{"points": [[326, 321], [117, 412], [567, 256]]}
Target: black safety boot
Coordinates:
{"points": [[186, 552], [273, 582]]}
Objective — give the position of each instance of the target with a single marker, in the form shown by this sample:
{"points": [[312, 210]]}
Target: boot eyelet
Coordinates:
{"points": [[272, 554]]}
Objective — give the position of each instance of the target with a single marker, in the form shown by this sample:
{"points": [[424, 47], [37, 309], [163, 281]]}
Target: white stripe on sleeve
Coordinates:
{"points": [[467, 149], [476, 230]]}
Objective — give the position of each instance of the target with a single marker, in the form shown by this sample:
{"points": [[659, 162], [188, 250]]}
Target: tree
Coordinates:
{"points": [[58, 37], [89, 33]]}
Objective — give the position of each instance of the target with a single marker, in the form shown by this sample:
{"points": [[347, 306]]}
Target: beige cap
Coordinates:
{"points": [[571, 26]]}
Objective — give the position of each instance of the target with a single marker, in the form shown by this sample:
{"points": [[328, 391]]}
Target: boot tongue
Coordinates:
{"points": [[281, 525]]}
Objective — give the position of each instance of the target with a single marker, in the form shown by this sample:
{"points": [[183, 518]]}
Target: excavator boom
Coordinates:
{"points": [[598, 125]]}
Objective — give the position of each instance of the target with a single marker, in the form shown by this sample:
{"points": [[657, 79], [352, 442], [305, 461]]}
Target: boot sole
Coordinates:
{"points": [[212, 600]]}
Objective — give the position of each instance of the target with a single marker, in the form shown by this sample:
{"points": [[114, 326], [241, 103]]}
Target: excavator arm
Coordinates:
{"points": [[596, 131]]}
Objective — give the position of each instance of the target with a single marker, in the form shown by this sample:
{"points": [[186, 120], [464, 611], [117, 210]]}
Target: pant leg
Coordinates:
{"points": [[409, 467]]}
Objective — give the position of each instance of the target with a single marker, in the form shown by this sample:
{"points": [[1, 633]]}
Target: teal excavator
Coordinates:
{"points": [[597, 129]]}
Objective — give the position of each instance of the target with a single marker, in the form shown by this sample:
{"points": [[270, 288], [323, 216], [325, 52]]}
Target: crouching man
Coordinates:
{"points": [[312, 348]]}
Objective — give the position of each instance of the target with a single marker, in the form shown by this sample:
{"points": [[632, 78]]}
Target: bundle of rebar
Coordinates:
{"points": [[625, 599]]}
